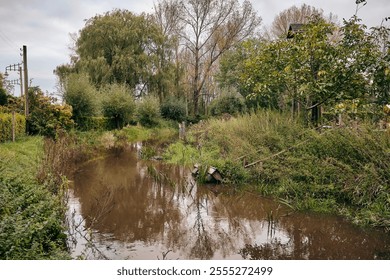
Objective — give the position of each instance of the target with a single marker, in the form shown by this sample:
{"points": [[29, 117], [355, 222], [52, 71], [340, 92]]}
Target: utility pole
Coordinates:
{"points": [[21, 81], [25, 80]]}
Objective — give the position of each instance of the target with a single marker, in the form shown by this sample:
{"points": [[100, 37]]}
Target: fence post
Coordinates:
{"points": [[13, 126]]}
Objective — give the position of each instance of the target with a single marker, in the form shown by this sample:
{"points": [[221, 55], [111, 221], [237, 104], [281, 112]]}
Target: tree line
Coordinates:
{"points": [[172, 54], [193, 58]]}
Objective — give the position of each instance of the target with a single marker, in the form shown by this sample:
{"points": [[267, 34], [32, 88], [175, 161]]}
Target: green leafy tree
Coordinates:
{"points": [[118, 104], [121, 47], [82, 96], [311, 70], [381, 77]]}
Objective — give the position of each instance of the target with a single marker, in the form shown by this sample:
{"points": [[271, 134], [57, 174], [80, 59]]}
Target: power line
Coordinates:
{"points": [[8, 41]]}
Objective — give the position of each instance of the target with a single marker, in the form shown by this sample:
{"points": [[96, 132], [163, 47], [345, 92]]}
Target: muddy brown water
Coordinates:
{"points": [[121, 207]]}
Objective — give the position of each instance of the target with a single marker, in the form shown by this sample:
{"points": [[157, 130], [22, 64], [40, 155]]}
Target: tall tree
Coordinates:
{"points": [[166, 15], [121, 47], [210, 28]]}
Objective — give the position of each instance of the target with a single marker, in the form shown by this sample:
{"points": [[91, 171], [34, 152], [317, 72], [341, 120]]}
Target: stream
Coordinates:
{"points": [[121, 207]]}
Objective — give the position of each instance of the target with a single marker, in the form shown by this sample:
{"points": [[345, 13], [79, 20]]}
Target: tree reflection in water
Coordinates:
{"points": [[149, 217]]}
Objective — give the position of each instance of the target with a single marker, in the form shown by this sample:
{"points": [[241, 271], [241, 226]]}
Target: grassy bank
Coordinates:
{"points": [[30, 215], [341, 170], [33, 174], [94, 144]]}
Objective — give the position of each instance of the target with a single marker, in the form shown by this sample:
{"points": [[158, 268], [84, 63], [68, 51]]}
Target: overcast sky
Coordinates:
{"points": [[44, 26]]}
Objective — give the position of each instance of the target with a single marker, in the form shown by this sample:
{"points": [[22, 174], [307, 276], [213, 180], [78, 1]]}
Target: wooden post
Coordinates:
{"points": [[13, 126], [182, 131], [25, 80]]}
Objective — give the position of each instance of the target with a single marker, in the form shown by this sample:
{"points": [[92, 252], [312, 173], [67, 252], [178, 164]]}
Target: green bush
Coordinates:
{"points": [[82, 96], [6, 126], [47, 118], [148, 111], [118, 105], [97, 123], [228, 103], [173, 109]]}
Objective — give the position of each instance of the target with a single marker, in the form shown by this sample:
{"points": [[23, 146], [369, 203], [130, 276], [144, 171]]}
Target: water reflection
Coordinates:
{"points": [[134, 209]]}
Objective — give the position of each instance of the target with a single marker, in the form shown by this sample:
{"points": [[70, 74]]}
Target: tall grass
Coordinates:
{"points": [[340, 170]]}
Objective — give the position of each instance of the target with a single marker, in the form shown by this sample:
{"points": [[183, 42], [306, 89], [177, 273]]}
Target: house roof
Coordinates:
{"points": [[294, 28]]}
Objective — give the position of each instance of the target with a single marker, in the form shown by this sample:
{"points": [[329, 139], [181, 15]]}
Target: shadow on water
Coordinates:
{"points": [[124, 208]]}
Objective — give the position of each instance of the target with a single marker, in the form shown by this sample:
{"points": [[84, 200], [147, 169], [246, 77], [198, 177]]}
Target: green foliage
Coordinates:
{"points": [[118, 105], [97, 123], [148, 111], [322, 65], [6, 126], [30, 216], [3, 97], [125, 48], [46, 118], [82, 96], [136, 133], [228, 103], [342, 170], [179, 153], [173, 109]]}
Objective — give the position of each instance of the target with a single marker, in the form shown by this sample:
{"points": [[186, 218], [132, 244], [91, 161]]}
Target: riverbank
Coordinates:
{"points": [[341, 170], [31, 216], [33, 180]]}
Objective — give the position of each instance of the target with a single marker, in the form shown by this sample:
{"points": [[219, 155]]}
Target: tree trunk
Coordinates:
{"points": [[316, 114]]}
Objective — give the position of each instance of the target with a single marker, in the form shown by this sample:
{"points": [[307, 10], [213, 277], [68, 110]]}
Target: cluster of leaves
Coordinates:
{"points": [[231, 103], [81, 96], [3, 97], [315, 67], [118, 105], [148, 111], [124, 48], [45, 117], [173, 109]]}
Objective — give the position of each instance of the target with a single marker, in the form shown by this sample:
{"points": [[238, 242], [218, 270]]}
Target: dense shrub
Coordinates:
{"points": [[82, 96], [6, 126], [173, 109], [97, 123], [118, 105], [148, 111], [47, 118], [228, 103]]}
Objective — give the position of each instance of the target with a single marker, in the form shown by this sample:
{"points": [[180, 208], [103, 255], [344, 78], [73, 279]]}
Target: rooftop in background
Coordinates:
{"points": [[293, 29]]}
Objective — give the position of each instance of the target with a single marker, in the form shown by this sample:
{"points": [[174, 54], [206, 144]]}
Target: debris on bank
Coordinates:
{"points": [[211, 176]]}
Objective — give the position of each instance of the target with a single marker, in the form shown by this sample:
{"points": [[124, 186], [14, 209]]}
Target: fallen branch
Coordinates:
{"points": [[274, 155]]}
